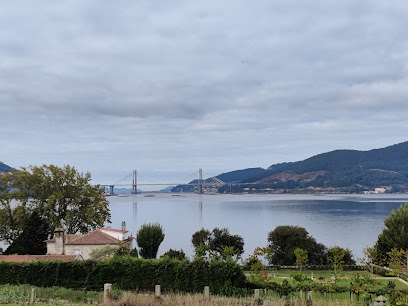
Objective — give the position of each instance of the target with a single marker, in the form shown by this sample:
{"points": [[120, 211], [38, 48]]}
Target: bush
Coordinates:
{"points": [[128, 273], [218, 243], [149, 238], [175, 254]]}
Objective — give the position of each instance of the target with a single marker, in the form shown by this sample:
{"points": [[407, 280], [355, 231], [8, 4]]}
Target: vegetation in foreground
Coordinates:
{"points": [[198, 299], [56, 295]]}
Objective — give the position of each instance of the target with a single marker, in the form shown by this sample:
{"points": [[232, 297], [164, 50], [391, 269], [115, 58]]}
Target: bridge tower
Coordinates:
{"points": [[200, 181], [134, 185]]}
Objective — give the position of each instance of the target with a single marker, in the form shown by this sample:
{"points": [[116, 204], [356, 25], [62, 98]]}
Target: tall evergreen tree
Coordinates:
{"points": [[32, 239], [395, 233], [149, 238]]}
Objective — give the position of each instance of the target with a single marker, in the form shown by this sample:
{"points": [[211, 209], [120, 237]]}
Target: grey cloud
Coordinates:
{"points": [[157, 82]]}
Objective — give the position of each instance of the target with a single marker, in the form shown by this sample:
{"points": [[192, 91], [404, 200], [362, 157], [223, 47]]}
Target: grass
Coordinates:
{"points": [[14, 295], [129, 298], [21, 294]]}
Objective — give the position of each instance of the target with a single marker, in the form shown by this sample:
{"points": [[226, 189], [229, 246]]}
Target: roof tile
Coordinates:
{"points": [[95, 237]]}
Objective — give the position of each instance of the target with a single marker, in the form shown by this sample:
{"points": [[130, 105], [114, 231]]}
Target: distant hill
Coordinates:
{"points": [[339, 170], [228, 177], [5, 168], [167, 189], [239, 175]]}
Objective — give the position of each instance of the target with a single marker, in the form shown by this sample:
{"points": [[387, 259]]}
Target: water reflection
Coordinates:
{"points": [[200, 213], [135, 213]]}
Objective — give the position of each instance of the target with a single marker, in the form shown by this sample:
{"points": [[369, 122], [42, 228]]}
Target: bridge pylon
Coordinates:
{"points": [[134, 182], [200, 181]]}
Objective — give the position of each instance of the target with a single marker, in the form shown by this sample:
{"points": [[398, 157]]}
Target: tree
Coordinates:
{"points": [[32, 239], [60, 195], [175, 254], [283, 241], [107, 250], [219, 243], [394, 235], [200, 237], [149, 238], [336, 259], [370, 255], [124, 249], [258, 270], [301, 257], [398, 260]]}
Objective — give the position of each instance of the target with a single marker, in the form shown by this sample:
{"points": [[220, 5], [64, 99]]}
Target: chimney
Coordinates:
{"points": [[59, 241], [124, 226]]}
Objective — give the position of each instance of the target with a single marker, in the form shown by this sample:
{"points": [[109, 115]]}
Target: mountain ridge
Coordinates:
{"points": [[5, 168], [343, 170]]}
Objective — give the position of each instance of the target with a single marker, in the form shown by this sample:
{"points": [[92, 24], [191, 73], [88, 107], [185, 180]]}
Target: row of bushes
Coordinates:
{"points": [[129, 273], [285, 288], [312, 267]]}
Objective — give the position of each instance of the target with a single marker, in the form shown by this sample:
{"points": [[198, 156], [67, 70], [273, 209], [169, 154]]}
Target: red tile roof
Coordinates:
{"points": [[29, 258], [95, 237]]}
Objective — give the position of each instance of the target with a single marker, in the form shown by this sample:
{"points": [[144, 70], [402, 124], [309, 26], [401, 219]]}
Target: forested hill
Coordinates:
{"points": [[348, 170], [5, 168], [228, 177], [239, 175]]}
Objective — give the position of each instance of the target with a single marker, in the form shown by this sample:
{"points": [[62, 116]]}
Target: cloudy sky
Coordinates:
{"points": [[166, 88]]}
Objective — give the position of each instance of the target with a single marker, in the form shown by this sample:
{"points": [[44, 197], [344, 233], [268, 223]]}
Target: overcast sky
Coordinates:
{"points": [[166, 88]]}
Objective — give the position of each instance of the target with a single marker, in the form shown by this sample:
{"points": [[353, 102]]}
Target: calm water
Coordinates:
{"points": [[350, 221]]}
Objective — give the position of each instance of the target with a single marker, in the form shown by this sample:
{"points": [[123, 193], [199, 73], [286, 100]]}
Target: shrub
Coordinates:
{"points": [[175, 254], [128, 273], [149, 238], [218, 243]]}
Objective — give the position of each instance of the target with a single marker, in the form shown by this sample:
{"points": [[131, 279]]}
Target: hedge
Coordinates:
{"points": [[129, 273]]}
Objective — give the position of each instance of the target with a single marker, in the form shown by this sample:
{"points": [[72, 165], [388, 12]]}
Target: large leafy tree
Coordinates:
{"points": [[285, 239], [219, 242], [61, 196], [394, 235]]}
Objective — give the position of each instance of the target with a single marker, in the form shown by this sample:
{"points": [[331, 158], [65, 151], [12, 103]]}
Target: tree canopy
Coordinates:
{"points": [[285, 239], [149, 238], [32, 239], [61, 196], [218, 242], [395, 233]]}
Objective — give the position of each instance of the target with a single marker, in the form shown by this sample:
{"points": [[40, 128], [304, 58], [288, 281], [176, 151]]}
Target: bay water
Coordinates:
{"points": [[349, 221]]}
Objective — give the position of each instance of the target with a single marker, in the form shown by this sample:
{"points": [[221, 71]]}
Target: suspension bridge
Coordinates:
{"points": [[130, 180]]}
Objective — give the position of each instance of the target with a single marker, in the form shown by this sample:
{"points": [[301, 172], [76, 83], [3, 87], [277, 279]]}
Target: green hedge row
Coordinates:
{"points": [[129, 273], [313, 267]]}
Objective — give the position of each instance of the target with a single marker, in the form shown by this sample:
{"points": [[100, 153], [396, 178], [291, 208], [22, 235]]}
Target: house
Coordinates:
{"points": [[83, 245]]}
